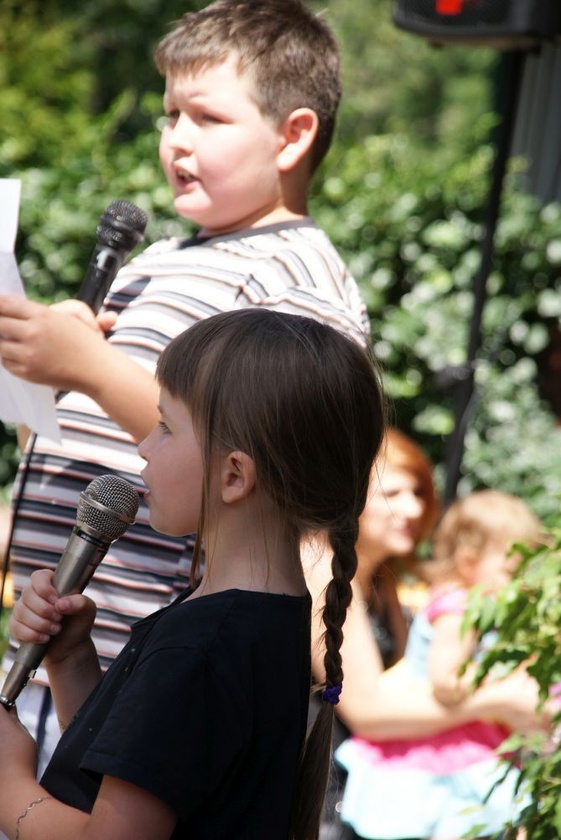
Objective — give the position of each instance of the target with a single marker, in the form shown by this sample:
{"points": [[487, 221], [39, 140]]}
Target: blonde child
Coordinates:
{"points": [[444, 786], [268, 427]]}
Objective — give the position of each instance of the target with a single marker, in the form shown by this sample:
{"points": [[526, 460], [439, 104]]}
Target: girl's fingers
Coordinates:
{"points": [[28, 624], [34, 615]]}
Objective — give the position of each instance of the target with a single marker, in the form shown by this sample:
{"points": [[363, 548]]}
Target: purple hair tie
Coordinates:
{"points": [[331, 694]]}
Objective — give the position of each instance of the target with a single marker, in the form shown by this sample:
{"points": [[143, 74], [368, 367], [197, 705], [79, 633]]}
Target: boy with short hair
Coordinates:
{"points": [[252, 89]]}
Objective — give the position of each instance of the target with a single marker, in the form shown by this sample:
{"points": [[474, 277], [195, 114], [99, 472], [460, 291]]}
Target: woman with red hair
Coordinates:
{"points": [[376, 703], [400, 513]]}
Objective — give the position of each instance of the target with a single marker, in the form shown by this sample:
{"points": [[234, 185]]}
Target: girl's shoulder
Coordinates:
{"points": [[446, 600], [233, 617]]}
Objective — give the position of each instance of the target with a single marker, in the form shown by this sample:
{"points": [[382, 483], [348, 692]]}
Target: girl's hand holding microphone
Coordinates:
{"points": [[40, 616]]}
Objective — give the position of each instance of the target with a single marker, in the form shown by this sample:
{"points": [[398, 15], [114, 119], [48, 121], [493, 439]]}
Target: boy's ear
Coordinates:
{"points": [[237, 476], [299, 131]]}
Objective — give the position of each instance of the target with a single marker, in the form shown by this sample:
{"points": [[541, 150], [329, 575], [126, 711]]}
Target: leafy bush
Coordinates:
{"points": [[416, 254], [526, 615]]}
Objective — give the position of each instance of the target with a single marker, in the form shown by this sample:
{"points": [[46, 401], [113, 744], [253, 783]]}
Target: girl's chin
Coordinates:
{"points": [[166, 528], [401, 547]]}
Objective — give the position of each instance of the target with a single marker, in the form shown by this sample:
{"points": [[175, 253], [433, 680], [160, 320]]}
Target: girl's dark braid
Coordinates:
{"points": [[313, 773], [338, 597]]}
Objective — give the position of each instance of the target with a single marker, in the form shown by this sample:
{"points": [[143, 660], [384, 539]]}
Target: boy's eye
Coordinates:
{"points": [[170, 117], [163, 427]]}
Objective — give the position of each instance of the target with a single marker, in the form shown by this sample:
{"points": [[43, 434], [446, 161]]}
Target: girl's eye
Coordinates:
{"points": [[163, 427]]}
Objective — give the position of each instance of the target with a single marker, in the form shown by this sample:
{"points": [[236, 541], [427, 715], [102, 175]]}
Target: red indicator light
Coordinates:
{"points": [[449, 7]]}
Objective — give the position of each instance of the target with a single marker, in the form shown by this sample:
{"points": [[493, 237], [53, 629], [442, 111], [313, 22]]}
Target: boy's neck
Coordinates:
{"points": [[278, 216]]}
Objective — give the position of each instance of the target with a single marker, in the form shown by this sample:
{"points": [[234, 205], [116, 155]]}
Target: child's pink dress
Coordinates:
{"points": [[430, 787]]}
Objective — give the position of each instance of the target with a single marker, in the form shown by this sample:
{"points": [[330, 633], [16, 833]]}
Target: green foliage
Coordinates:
{"points": [[121, 35], [45, 87], [526, 615], [60, 208], [396, 83], [416, 254]]}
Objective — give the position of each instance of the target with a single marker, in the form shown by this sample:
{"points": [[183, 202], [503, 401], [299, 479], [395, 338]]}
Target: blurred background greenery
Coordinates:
{"points": [[403, 195]]}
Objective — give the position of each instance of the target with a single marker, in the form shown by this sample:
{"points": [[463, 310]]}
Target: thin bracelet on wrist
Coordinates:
{"points": [[26, 811]]}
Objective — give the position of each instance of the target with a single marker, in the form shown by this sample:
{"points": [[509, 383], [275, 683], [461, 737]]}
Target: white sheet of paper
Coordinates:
{"points": [[20, 401], [10, 191]]}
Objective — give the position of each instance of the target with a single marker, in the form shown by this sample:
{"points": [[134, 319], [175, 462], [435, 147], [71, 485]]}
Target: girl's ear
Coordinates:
{"points": [[237, 477], [299, 131]]}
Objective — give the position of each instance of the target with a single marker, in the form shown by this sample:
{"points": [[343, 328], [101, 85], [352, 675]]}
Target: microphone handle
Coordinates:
{"points": [[103, 268], [81, 557]]}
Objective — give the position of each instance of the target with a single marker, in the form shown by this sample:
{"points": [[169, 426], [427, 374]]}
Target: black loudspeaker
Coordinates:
{"points": [[502, 24]]}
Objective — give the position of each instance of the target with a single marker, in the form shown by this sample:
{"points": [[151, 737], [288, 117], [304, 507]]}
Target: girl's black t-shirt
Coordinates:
{"points": [[206, 709]]}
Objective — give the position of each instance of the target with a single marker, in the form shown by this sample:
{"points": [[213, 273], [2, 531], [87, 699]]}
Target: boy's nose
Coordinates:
{"points": [[180, 136]]}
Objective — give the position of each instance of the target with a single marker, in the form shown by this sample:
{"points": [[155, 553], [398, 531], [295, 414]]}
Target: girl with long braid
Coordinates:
{"points": [[269, 424]]}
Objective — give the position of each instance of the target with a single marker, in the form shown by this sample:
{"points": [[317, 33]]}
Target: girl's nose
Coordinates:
{"points": [[143, 448]]}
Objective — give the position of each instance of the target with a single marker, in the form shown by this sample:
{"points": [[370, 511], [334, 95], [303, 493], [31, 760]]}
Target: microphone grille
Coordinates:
{"points": [[108, 505], [122, 225]]}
